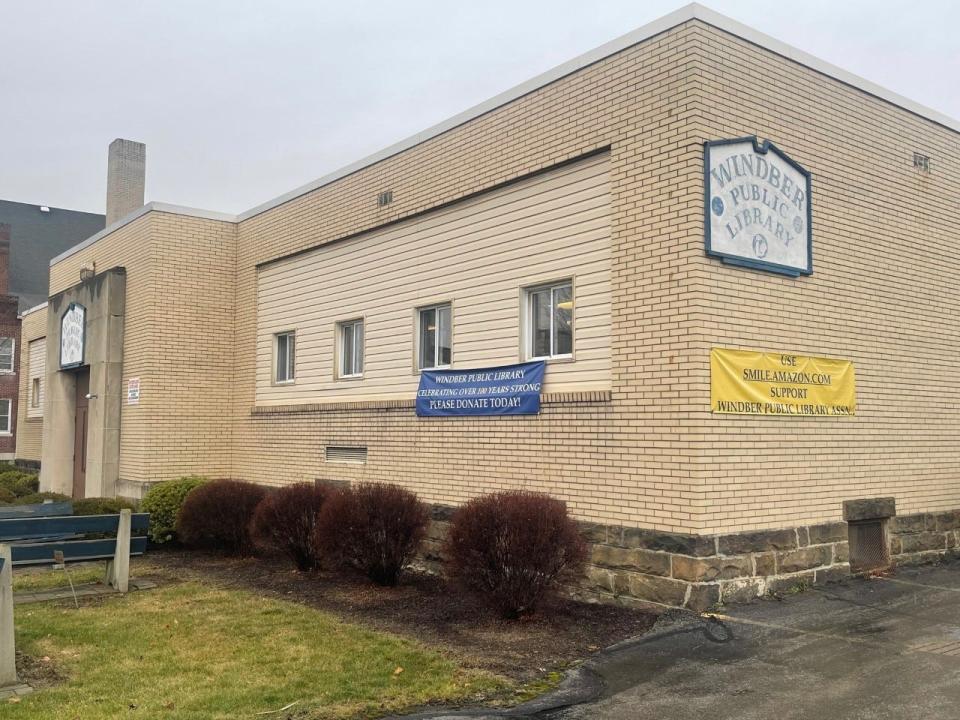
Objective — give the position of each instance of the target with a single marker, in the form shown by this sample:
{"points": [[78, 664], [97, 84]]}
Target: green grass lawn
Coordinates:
{"points": [[32, 580], [193, 651]]}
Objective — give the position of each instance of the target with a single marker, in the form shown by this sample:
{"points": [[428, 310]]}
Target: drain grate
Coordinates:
{"points": [[868, 545]]}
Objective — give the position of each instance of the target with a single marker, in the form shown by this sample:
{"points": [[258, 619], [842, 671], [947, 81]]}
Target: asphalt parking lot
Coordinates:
{"points": [[863, 649]]}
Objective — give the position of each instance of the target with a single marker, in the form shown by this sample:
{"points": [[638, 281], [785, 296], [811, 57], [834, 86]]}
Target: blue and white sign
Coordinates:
{"points": [[73, 336], [757, 207], [505, 390]]}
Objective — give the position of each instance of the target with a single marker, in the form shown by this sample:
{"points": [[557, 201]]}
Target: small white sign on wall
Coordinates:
{"points": [[133, 391], [757, 207], [73, 336]]}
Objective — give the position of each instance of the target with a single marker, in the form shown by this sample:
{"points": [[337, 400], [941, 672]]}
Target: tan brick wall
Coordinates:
{"points": [[883, 294], [651, 455], [29, 430], [621, 461], [177, 340]]}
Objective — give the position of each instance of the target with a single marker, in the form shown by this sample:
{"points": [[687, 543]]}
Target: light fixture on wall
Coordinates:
{"points": [[87, 273]]}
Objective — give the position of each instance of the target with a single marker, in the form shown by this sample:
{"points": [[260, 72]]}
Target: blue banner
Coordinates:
{"points": [[505, 390]]}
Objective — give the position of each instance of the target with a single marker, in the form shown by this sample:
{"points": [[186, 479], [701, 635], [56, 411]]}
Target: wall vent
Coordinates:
{"points": [[343, 454], [869, 549], [867, 532]]}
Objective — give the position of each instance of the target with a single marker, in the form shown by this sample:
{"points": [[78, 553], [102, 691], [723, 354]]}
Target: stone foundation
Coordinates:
{"points": [[629, 565]]}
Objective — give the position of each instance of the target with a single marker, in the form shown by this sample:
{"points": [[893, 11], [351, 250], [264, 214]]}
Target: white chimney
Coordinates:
{"points": [[126, 172]]}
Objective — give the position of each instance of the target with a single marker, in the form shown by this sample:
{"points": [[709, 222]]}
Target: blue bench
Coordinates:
{"points": [[47, 509], [32, 535]]}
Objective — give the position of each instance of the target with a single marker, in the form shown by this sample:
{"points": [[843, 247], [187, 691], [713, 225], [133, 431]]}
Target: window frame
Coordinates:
{"points": [[341, 326], [13, 356], [8, 431], [527, 324], [291, 364], [35, 384], [418, 339]]}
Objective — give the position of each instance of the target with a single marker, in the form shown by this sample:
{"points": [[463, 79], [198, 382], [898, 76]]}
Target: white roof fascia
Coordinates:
{"points": [[693, 11], [139, 212], [34, 309]]}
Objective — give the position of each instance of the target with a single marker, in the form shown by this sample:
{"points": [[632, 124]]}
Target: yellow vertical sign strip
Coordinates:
{"points": [[747, 382]]}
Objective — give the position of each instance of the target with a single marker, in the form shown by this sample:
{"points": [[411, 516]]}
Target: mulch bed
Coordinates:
{"points": [[424, 608]]}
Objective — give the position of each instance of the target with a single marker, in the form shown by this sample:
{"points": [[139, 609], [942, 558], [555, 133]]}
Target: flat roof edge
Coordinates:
{"points": [[693, 11], [34, 309], [139, 212]]}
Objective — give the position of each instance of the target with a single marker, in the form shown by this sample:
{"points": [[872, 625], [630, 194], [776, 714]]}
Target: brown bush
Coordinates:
{"points": [[374, 527], [286, 519], [216, 516], [514, 548]]}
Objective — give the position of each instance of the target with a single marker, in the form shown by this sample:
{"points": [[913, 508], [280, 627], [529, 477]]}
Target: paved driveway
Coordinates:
{"points": [[861, 650], [864, 650]]}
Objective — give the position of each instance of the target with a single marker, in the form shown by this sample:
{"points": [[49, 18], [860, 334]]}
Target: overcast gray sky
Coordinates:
{"points": [[241, 101]]}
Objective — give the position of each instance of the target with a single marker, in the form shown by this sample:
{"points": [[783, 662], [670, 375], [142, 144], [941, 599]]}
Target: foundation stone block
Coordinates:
{"points": [[827, 533], [693, 545], [804, 559], [707, 569], [658, 589], [869, 509], [703, 597], [755, 542], [920, 542]]}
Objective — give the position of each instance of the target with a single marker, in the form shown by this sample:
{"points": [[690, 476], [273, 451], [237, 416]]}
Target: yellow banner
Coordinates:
{"points": [[745, 382]]}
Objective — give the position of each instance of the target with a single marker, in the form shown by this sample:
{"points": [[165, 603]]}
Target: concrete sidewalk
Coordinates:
{"points": [[877, 649]]}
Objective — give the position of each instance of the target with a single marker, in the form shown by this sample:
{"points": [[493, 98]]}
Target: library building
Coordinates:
{"points": [[696, 283]]}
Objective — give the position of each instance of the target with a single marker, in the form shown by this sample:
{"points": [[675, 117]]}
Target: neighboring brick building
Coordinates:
{"points": [[30, 235], [9, 344], [585, 186]]}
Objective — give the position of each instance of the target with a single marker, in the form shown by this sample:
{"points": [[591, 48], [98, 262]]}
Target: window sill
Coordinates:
{"points": [[554, 360]]}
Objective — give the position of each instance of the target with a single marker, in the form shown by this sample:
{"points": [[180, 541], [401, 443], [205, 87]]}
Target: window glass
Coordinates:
{"points": [[428, 338], [351, 349], [286, 355], [562, 320], [35, 393], [550, 319], [540, 322], [6, 354], [435, 337], [5, 416], [445, 343]]}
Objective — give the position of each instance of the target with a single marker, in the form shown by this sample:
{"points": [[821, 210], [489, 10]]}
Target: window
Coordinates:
{"points": [[351, 349], [286, 357], [6, 354], [5, 416], [434, 335], [35, 393], [550, 321]]}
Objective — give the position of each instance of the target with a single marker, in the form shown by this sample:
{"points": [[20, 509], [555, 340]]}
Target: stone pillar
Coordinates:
{"points": [[103, 297]]}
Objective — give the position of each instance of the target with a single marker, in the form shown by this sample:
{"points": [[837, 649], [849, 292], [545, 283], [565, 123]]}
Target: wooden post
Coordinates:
{"points": [[8, 654], [118, 569]]}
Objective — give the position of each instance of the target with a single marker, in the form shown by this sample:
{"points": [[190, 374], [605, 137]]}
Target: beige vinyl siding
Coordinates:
{"points": [[477, 255], [30, 427], [37, 357]]}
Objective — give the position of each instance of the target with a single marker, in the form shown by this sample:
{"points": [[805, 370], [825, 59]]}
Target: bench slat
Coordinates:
{"points": [[36, 527], [52, 509], [73, 550]]}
